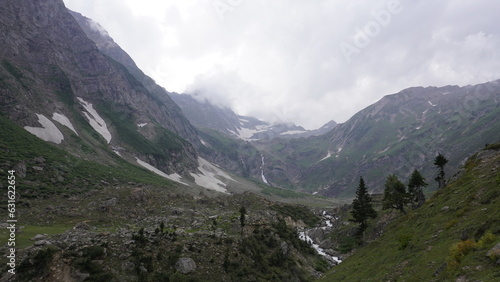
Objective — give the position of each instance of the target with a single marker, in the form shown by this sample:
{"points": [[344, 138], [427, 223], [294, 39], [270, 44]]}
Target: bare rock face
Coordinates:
{"points": [[185, 265]]}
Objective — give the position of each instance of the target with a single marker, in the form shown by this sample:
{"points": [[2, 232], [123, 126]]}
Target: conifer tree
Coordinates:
{"points": [[440, 161], [395, 195], [415, 185], [362, 208], [162, 226], [243, 212]]}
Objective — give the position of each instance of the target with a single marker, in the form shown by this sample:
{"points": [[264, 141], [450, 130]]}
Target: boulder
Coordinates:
{"points": [[38, 168], [20, 169], [38, 237], [42, 243], [494, 252], [185, 265], [82, 226]]}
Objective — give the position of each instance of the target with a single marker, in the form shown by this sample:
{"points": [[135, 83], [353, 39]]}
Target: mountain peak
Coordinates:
{"points": [[205, 114]]}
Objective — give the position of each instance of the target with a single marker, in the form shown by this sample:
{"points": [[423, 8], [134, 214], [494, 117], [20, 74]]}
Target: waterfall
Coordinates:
{"points": [[262, 170]]}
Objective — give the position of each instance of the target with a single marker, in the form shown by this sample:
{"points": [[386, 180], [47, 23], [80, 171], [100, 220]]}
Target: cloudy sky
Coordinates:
{"points": [[302, 61]]}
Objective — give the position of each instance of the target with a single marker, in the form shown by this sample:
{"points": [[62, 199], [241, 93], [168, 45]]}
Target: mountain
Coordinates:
{"points": [[200, 114], [406, 129], [59, 86], [70, 83], [107, 46], [399, 133], [204, 114]]}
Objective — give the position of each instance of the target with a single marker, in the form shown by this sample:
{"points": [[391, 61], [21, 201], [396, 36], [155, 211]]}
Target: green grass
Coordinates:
{"points": [[24, 235], [62, 172], [417, 246]]}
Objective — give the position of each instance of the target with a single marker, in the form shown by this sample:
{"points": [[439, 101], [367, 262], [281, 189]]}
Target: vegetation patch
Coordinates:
{"points": [[446, 238], [297, 213]]}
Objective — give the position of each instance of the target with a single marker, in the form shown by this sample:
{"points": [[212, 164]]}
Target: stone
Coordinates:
{"points": [[39, 160], [42, 243], [20, 169], [128, 266], [38, 237], [445, 208], [124, 256], [494, 252], [185, 265], [82, 226], [284, 248], [38, 168]]}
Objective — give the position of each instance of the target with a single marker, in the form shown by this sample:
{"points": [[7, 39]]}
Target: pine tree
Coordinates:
{"points": [[415, 185], [243, 212], [440, 161], [395, 195], [362, 208]]}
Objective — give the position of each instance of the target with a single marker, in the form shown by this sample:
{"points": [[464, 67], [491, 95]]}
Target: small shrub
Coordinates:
{"points": [[494, 256], [404, 240], [94, 252], [31, 268], [459, 251], [495, 146], [486, 239], [347, 244], [321, 265], [451, 224]]}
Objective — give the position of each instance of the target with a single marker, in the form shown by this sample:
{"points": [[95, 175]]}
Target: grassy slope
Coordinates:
{"points": [[62, 172], [469, 207]]}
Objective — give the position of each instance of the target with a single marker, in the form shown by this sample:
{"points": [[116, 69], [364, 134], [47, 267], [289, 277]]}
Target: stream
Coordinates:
{"points": [[303, 235]]}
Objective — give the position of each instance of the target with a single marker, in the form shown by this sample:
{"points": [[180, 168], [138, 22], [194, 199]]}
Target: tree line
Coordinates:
{"points": [[396, 195]]}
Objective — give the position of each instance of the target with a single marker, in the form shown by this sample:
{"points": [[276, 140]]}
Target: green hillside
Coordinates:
{"points": [[445, 240]]}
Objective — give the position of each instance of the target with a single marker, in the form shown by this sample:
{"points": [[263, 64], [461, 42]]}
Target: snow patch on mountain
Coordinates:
{"points": [[327, 156], [64, 120], [95, 120], [209, 176], [175, 177], [142, 124], [242, 120], [246, 133], [292, 132], [48, 132]]}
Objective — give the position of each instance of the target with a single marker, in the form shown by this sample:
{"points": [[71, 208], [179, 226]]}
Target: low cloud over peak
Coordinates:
{"points": [[287, 59]]}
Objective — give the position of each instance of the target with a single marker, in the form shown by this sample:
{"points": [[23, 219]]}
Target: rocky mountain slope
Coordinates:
{"points": [[107, 46], [206, 115], [59, 86], [397, 134]]}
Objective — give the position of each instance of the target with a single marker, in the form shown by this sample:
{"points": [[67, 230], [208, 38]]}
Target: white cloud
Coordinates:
{"points": [[281, 59]]}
